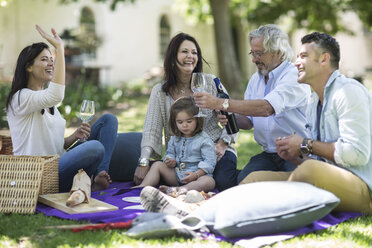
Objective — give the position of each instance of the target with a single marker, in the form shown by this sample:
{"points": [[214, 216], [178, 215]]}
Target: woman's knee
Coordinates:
{"points": [[110, 119], [225, 173], [95, 148]]}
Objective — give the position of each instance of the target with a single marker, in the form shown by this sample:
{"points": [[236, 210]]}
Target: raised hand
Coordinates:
{"points": [[57, 43], [54, 40]]}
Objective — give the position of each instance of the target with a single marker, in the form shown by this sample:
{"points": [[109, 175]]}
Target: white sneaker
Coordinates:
{"points": [[153, 200]]}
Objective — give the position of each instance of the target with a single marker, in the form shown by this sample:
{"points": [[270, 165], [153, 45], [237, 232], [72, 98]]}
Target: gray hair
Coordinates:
{"points": [[274, 40]]}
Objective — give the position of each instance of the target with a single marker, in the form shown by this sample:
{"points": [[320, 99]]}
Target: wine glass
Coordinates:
{"points": [[86, 113], [198, 84]]}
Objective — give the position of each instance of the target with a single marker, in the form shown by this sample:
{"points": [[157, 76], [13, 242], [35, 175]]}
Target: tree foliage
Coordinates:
{"points": [[316, 15], [320, 15]]}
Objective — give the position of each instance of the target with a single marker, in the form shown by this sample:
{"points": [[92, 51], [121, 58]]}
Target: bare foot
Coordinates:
{"points": [[166, 189], [101, 181]]}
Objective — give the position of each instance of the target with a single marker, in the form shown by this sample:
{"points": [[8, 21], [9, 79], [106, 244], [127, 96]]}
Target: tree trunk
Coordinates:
{"points": [[227, 61]]}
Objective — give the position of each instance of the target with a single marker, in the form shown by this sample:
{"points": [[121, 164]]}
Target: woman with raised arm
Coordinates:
{"points": [[36, 126]]}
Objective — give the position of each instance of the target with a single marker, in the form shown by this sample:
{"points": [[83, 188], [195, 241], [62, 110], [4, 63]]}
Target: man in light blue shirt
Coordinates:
{"points": [[274, 103], [339, 119]]}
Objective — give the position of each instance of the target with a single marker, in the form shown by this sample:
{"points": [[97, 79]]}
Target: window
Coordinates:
{"points": [[87, 38]]}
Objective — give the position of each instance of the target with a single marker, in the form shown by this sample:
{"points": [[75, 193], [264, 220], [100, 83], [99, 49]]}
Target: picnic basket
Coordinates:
{"points": [[6, 146], [23, 178]]}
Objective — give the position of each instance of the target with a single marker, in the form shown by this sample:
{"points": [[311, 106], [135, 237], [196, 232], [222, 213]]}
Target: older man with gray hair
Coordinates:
{"points": [[274, 103]]}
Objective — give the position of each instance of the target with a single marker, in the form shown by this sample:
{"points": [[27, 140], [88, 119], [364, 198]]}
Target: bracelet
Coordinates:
{"points": [[143, 162], [197, 174], [311, 146]]}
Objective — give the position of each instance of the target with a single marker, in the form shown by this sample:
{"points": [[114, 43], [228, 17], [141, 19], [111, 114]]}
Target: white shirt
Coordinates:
{"points": [[34, 133], [289, 100], [346, 119]]}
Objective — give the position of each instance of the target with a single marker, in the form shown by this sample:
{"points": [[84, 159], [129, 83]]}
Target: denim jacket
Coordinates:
{"points": [[156, 127], [195, 151], [346, 119]]}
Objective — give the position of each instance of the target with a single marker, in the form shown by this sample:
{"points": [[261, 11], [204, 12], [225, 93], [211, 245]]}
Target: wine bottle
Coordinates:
{"points": [[232, 125]]}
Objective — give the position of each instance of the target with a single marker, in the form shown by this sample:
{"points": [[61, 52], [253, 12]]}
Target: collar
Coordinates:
{"points": [[278, 70], [329, 83], [331, 79]]}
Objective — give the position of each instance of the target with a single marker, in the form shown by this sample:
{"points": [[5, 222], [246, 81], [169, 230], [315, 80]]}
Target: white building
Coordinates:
{"points": [[134, 36], [131, 34]]}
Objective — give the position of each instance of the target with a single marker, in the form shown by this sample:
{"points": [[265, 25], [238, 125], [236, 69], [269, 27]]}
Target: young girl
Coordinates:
{"points": [[190, 157]]}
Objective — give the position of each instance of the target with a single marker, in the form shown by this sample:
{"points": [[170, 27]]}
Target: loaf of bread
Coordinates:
{"points": [[80, 190]]}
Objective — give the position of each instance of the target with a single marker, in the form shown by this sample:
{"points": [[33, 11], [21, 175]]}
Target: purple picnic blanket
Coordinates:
{"points": [[118, 190], [113, 195]]}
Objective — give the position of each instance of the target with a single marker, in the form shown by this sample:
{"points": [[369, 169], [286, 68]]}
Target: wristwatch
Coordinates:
{"points": [[305, 148], [143, 162], [225, 104]]}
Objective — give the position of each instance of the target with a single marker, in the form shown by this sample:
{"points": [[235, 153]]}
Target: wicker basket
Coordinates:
{"points": [[6, 145], [23, 178], [49, 180]]}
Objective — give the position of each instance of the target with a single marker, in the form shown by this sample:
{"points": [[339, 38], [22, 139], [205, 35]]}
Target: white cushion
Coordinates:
{"points": [[265, 208]]}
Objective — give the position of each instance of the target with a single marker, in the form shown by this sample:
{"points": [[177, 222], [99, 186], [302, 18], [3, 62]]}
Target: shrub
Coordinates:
{"points": [[4, 91], [103, 97]]}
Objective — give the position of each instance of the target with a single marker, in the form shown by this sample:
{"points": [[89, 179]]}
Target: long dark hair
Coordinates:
{"points": [[25, 59], [170, 60], [186, 104]]}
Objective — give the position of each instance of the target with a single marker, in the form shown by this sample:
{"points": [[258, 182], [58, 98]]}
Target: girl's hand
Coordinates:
{"points": [[189, 176], [55, 40], [170, 163], [220, 147], [82, 131]]}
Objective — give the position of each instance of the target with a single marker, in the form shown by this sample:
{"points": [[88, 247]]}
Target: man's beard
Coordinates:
{"points": [[263, 72]]}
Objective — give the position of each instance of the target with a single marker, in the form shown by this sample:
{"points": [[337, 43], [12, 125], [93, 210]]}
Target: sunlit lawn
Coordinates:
{"points": [[28, 230]]}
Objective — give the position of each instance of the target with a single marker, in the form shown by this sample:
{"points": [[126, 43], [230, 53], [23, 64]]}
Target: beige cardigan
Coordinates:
{"points": [[156, 120]]}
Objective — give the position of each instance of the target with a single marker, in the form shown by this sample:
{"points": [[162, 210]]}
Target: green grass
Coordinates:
{"points": [[28, 230]]}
